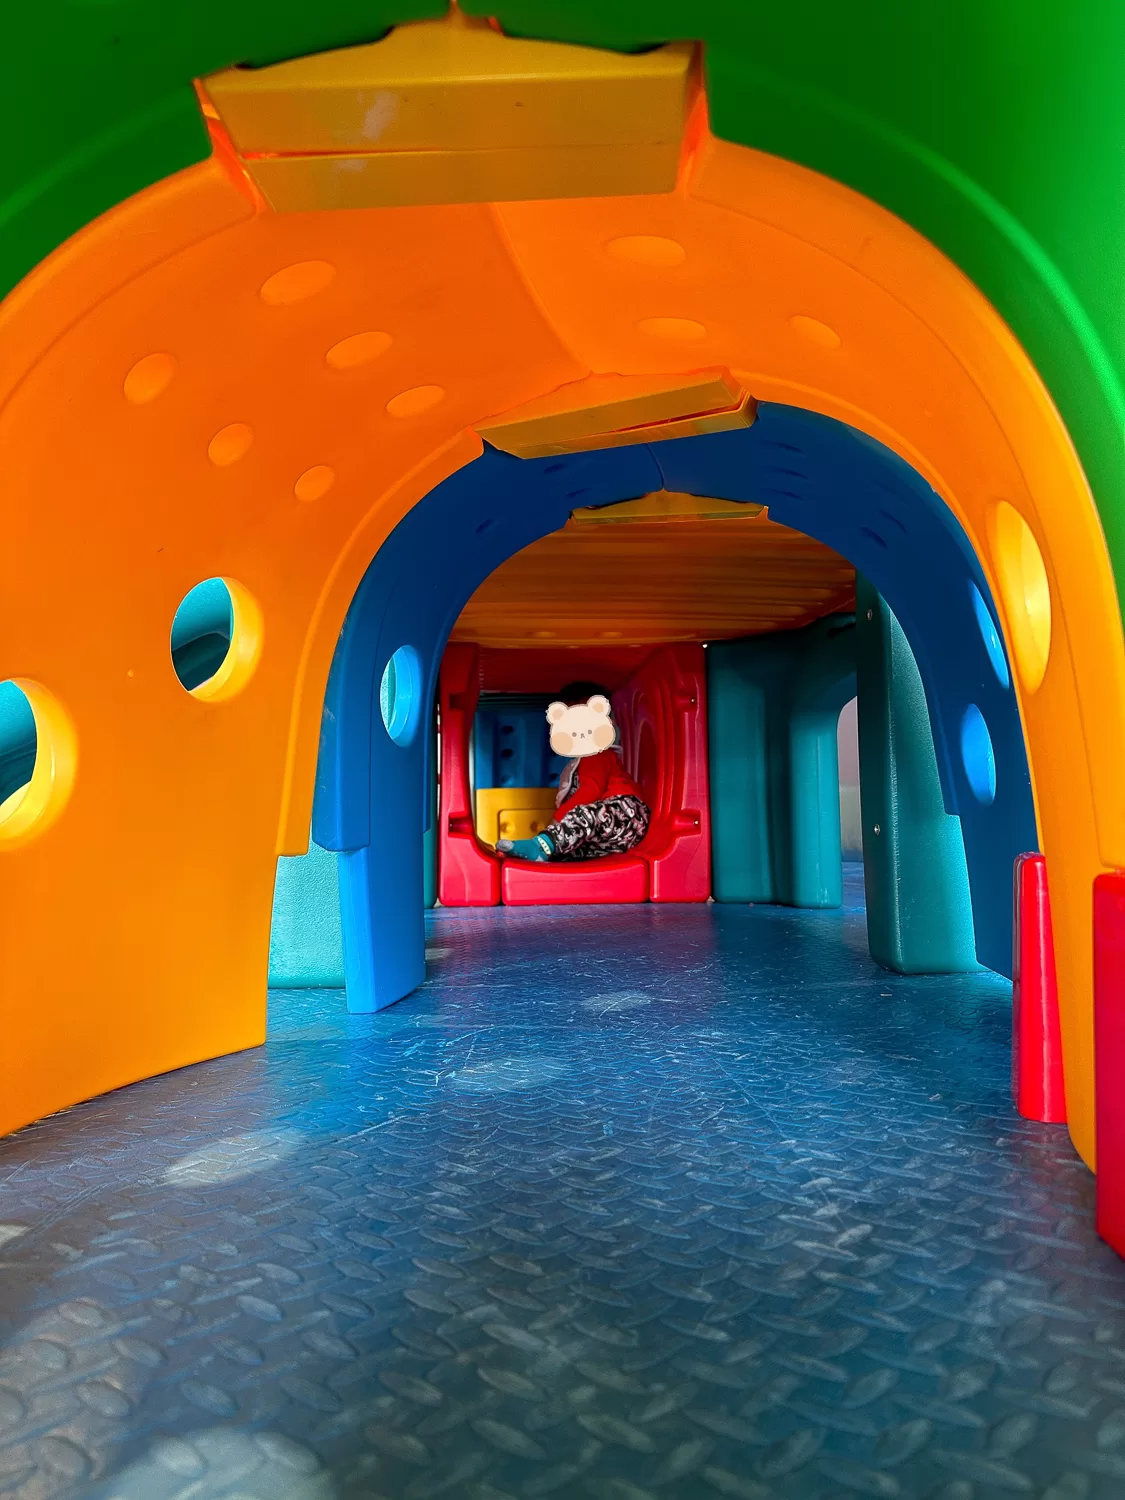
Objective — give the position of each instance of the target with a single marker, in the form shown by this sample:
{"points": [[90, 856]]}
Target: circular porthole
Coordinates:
{"points": [[216, 638], [1024, 590], [991, 636], [400, 695], [38, 757], [977, 755]]}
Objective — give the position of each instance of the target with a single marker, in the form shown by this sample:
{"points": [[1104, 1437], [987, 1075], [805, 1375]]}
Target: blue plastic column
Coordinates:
{"points": [[371, 790], [306, 937], [919, 912]]}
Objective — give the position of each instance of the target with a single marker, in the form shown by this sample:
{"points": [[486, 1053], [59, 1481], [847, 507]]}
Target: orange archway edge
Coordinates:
{"points": [[139, 918]]}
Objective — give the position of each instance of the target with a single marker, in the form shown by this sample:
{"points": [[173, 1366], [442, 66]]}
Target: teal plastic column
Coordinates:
{"points": [[816, 870], [774, 702], [919, 916]]}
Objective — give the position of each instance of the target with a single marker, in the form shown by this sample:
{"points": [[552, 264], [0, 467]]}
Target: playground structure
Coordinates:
{"points": [[348, 358]]}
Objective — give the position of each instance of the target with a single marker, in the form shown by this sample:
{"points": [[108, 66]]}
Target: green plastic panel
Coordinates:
{"points": [[919, 914], [773, 704], [97, 102]]}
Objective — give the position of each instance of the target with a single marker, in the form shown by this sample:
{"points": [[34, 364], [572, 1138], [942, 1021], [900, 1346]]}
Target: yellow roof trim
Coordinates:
{"points": [[666, 506], [611, 411], [453, 111]]}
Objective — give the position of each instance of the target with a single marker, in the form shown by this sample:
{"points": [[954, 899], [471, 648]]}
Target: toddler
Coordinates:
{"points": [[599, 807]]}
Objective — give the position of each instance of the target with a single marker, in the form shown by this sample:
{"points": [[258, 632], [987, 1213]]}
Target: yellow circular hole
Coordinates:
{"points": [[648, 250], [314, 483], [1024, 592], [230, 444], [216, 639], [296, 282], [418, 399], [150, 377], [39, 725], [816, 332], [672, 328], [358, 350]]}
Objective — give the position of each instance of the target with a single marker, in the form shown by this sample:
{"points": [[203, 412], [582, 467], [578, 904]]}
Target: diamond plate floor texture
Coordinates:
{"points": [[633, 1204]]}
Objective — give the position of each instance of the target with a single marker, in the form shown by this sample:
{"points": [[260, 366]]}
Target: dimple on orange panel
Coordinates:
{"points": [[796, 323], [195, 204]]}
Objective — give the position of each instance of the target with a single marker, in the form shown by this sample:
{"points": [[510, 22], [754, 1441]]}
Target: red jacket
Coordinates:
{"points": [[596, 778]]}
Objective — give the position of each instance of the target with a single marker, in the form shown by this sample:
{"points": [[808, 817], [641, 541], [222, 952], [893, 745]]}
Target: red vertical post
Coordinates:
{"points": [[468, 873], [1109, 1054], [1037, 1065]]}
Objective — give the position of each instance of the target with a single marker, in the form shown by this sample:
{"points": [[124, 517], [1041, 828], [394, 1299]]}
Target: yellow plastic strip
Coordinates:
{"points": [[452, 111]]}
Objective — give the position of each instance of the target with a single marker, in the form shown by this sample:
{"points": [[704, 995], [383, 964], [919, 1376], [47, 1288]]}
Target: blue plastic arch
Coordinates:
{"points": [[817, 475]]}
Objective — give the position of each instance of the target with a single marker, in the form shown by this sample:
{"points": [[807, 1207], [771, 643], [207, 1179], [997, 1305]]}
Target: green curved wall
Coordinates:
{"points": [[995, 127]]}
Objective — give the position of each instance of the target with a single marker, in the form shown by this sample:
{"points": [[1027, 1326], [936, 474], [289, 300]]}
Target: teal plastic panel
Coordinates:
{"points": [[773, 706], [919, 915], [306, 945]]}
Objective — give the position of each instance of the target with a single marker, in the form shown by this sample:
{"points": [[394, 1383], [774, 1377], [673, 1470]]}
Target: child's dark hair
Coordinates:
{"points": [[581, 692]]}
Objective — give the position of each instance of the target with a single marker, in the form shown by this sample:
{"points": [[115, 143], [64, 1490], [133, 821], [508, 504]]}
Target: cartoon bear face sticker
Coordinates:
{"points": [[581, 728]]}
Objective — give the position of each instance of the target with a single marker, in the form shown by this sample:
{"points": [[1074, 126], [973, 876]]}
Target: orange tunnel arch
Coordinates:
{"points": [[196, 386]]}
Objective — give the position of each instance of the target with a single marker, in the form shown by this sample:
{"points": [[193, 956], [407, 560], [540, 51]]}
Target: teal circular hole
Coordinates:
{"points": [[977, 756], [19, 741], [992, 642], [201, 632], [400, 695]]}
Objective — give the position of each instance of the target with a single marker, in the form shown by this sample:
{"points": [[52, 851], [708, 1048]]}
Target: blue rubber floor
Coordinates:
{"points": [[634, 1204]]}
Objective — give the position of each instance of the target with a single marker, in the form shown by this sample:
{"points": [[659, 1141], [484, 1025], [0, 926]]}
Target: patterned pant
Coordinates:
{"points": [[595, 828]]}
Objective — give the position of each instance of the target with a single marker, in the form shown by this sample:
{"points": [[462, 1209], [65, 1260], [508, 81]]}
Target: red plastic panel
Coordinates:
{"points": [[1109, 1054], [614, 881], [1037, 1064], [468, 873], [549, 669], [662, 711]]}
